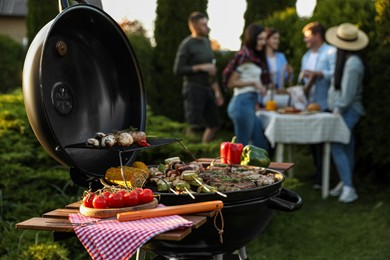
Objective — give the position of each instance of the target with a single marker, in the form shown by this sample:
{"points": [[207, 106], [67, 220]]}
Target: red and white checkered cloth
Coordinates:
{"points": [[111, 239]]}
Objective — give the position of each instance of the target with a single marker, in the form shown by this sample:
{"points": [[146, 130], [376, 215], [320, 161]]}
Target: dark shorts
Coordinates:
{"points": [[200, 108]]}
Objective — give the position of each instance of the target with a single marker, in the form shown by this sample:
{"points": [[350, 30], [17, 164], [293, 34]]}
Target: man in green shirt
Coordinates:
{"points": [[201, 93]]}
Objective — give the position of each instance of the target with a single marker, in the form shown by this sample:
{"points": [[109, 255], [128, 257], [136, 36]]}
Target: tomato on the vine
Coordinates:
{"points": [[131, 199], [99, 202], [88, 199], [138, 190], [106, 194], [122, 192], [115, 200], [146, 196]]}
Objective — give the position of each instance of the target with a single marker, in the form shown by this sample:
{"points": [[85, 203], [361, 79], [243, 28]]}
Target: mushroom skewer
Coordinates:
{"points": [[182, 185], [167, 184]]}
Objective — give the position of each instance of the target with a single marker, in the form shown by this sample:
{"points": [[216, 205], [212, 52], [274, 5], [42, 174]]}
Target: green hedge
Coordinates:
{"points": [[11, 64]]}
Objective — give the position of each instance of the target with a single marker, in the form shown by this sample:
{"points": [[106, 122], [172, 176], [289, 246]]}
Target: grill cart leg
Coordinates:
{"points": [[141, 254], [242, 253]]}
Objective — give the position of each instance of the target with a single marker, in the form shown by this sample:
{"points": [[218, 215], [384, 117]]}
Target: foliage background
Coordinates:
{"points": [[32, 183], [171, 27], [11, 60]]}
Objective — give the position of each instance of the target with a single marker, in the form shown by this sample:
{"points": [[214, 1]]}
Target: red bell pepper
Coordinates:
{"points": [[143, 143], [230, 152]]}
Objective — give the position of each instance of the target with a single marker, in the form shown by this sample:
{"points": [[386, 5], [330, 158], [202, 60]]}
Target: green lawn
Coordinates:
{"points": [[327, 229]]}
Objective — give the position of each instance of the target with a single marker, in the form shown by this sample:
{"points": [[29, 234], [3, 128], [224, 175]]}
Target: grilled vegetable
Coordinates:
{"points": [[125, 139], [140, 165], [92, 142], [138, 136], [182, 185], [134, 177], [230, 152], [256, 156], [188, 175]]}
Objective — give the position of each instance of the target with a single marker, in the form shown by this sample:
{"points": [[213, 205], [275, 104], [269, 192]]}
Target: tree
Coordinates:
{"points": [[11, 63], [171, 28], [143, 49], [39, 14], [374, 141], [259, 10]]}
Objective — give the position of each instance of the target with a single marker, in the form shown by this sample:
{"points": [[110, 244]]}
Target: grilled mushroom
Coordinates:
{"points": [[99, 135], [125, 139], [92, 142], [108, 141]]}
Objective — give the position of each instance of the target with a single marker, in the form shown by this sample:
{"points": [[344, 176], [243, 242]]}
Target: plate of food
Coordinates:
{"points": [[110, 201], [288, 110]]}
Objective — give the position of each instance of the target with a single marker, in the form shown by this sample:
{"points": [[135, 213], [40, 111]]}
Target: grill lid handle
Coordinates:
{"points": [[62, 4]]}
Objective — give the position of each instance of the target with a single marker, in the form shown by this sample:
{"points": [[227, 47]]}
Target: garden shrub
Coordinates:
{"points": [[11, 64], [48, 251]]}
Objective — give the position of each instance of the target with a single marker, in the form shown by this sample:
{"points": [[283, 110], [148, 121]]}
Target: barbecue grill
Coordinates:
{"points": [[81, 76]]}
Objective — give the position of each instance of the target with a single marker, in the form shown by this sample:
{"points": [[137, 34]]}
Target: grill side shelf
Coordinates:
{"points": [[153, 141]]}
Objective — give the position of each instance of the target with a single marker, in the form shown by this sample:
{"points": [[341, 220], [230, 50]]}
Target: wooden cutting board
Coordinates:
{"points": [[111, 212]]}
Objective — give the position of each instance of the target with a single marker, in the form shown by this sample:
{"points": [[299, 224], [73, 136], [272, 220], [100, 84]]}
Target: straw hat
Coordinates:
{"points": [[346, 36]]}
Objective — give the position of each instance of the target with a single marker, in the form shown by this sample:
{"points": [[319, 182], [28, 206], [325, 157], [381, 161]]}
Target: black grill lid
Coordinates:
{"points": [[81, 77]]}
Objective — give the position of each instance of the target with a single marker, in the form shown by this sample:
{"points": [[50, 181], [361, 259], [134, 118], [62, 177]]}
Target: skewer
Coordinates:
{"points": [[207, 189], [122, 171], [189, 193], [221, 194], [173, 191]]}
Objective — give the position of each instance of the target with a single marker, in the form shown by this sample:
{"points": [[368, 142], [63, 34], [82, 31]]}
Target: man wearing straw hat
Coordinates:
{"points": [[345, 99]]}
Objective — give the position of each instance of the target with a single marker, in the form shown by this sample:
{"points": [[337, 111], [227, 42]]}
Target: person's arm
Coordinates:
{"points": [[181, 66], [352, 78], [205, 67], [301, 72], [235, 82], [286, 70], [327, 72], [219, 99]]}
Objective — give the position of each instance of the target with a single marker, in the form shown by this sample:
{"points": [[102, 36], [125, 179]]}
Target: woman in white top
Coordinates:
{"points": [[244, 75]]}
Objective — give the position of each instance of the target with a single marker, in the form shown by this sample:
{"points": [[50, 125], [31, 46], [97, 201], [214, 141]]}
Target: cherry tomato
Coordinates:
{"points": [[122, 191], [88, 199], [115, 200], [99, 202], [146, 196], [106, 194], [131, 199], [138, 190]]}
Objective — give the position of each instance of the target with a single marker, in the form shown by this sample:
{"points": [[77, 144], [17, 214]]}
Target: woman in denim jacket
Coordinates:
{"points": [[279, 69]]}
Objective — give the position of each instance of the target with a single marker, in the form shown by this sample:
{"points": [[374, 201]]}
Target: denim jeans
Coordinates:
{"points": [[247, 126], [343, 155]]}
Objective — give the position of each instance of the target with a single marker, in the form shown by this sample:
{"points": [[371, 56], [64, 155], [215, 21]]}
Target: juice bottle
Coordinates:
{"points": [[270, 105]]}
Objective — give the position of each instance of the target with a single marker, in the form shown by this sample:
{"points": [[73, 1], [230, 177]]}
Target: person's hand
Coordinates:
{"points": [[210, 68], [219, 100], [290, 70], [336, 111], [312, 74], [260, 87], [271, 86]]}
